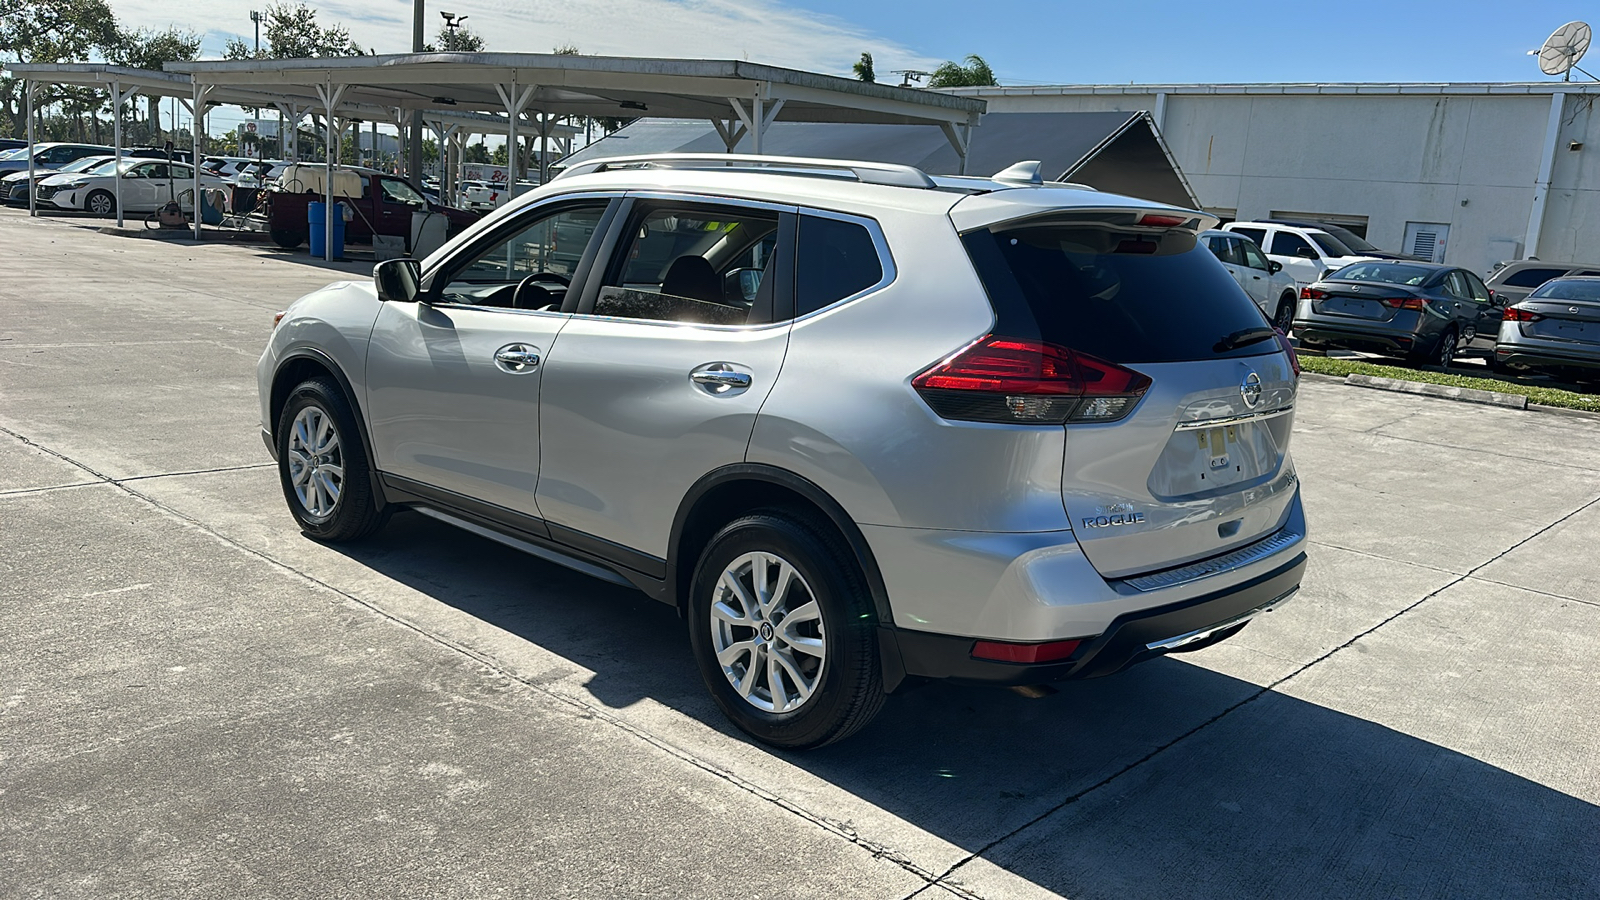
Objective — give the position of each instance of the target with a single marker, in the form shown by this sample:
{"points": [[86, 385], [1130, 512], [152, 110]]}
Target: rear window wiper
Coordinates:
{"points": [[1244, 337]]}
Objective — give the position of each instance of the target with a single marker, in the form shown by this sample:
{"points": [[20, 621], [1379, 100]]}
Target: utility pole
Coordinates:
{"points": [[255, 16], [414, 167]]}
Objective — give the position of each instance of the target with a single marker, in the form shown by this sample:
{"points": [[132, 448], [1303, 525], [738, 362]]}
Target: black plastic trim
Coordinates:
{"points": [[322, 359], [1124, 643], [631, 565]]}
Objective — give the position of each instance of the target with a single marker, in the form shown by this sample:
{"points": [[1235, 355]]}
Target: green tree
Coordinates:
{"points": [[863, 68], [459, 39], [47, 31], [291, 31], [144, 49], [976, 73]]}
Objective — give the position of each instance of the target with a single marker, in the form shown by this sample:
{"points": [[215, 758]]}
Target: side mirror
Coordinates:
{"points": [[1274, 266], [1496, 299], [397, 280], [1306, 253]]}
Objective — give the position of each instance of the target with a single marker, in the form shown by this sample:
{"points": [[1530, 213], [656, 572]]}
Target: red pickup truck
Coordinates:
{"points": [[384, 206]]}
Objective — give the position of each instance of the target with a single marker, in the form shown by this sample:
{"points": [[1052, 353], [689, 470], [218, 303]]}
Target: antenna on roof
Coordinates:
{"points": [[907, 76], [1563, 49]]}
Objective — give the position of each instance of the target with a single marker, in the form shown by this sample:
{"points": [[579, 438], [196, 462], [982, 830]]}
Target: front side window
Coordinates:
{"points": [[1253, 257], [695, 264], [149, 170], [545, 254], [400, 192], [834, 259], [1259, 235], [1286, 244]]}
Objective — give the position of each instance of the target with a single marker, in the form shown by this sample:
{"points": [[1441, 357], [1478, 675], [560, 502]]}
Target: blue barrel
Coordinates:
{"points": [[314, 220]]}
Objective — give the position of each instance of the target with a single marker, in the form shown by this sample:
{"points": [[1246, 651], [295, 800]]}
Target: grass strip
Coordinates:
{"points": [[1547, 396]]}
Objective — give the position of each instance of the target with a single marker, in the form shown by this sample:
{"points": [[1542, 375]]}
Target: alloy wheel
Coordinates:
{"points": [[767, 632], [316, 462], [1447, 350], [101, 205]]}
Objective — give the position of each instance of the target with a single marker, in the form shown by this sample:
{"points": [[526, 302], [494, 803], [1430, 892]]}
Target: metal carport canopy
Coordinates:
{"points": [[736, 97]]}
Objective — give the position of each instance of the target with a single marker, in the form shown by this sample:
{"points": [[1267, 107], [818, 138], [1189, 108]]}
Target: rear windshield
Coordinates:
{"points": [[1120, 296], [1386, 273], [1532, 277], [1568, 289], [1350, 239]]}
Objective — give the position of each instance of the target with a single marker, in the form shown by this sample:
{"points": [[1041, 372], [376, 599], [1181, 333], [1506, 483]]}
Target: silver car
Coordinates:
{"points": [[1556, 329], [862, 427]]}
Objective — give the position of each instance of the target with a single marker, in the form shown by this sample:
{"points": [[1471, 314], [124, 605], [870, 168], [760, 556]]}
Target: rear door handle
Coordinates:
{"points": [[721, 379]]}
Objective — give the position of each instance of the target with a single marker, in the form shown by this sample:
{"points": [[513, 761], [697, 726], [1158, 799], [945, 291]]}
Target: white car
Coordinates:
{"points": [[1307, 254], [147, 185], [227, 166], [1263, 279]]}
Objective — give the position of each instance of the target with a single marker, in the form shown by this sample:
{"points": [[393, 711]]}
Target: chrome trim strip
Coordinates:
{"points": [[1200, 635], [1234, 420], [1244, 556]]}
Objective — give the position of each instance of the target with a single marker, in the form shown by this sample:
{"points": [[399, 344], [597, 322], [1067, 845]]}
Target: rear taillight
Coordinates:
{"points": [[1311, 293], [1404, 302], [1029, 382], [1283, 344], [1514, 314]]}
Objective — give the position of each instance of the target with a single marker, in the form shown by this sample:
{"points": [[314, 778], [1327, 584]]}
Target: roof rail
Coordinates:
{"points": [[864, 172]]}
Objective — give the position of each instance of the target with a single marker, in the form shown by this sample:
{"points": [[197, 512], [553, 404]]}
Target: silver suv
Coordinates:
{"points": [[861, 426]]}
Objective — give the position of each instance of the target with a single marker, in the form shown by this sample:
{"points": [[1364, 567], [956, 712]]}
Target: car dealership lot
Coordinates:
{"points": [[199, 701]]}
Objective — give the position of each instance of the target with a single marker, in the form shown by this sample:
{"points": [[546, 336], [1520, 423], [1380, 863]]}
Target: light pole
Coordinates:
{"points": [[451, 23], [414, 163]]}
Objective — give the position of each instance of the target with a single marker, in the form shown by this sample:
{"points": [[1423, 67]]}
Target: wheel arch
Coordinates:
{"points": [[301, 364], [724, 494]]}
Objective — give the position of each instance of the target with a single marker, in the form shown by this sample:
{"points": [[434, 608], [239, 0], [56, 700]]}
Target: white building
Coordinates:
{"points": [[1491, 171]]}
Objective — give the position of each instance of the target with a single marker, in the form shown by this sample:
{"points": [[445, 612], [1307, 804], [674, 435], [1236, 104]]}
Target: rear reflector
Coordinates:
{"points": [[1020, 381], [1004, 651], [1513, 314]]}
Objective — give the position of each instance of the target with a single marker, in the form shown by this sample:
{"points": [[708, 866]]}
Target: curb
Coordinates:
{"points": [[1446, 392]]}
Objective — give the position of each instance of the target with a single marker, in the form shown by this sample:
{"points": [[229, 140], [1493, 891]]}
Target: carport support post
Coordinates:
{"points": [[756, 120], [960, 137], [330, 95], [28, 88]]}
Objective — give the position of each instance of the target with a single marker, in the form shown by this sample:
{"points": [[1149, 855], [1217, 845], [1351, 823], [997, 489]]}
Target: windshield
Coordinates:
{"points": [[15, 153], [1384, 273], [103, 165], [1568, 289], [88, 162], [1330, 244]]}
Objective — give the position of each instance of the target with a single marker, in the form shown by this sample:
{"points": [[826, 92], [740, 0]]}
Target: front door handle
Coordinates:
{"points": [[518, 359], [721, 379]]}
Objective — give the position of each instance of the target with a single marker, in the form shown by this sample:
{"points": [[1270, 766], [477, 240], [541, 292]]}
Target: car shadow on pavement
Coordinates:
{"points": [[1133, 785]]}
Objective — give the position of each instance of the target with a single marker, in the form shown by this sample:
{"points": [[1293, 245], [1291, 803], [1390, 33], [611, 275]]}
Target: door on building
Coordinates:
{"points": [[1426, 240]]}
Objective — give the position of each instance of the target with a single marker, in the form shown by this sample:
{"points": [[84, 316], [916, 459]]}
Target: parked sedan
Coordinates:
{"points": [[49, 156], [146, 186], [14, 187], [1426, 312], [1556, 329]]}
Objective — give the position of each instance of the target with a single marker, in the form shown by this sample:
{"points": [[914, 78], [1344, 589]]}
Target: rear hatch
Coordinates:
{"points": [[1185, 456]]}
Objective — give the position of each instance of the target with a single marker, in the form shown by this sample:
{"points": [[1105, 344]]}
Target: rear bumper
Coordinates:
{"points": [[1355, 338], [1516, 355], [1131, 638]]}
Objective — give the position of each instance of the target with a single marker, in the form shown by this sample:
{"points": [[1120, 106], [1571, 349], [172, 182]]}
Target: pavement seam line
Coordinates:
{"points": [[1270, 688], [839, 829], [19, 492]]}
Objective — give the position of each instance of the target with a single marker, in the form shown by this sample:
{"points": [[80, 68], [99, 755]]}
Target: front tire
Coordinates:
{"points": [[322, 465], [783, 630], [101, 203]]}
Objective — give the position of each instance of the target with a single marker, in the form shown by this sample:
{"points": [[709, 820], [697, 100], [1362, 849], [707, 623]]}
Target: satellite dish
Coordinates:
{"points": [[1560, 54]]}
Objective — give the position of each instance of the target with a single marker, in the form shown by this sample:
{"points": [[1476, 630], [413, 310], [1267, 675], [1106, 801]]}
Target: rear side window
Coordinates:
{"points": [[1122, 297], [1532, 277], [835, 259]]}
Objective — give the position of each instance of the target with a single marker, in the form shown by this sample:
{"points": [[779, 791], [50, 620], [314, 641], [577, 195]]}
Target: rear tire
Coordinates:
{"points": [[815, 639], [323, 466], [288, 240], [1283, 318], [1442, 354]]}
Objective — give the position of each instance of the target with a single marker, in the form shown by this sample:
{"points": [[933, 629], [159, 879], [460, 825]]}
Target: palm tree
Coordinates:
{"points": [[863, 68], [976, 73]]}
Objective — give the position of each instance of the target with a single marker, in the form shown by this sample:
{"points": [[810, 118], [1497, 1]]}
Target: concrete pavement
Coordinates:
{"points": [[197, 701]]}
